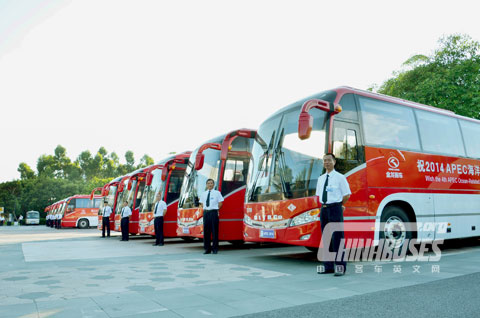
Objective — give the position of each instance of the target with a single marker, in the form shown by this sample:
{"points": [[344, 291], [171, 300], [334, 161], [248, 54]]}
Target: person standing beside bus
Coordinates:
{"points": [[333, 192], [58, 220], [211, 202], [2, 220], [107, 210], [158, 214], [126, 212]]}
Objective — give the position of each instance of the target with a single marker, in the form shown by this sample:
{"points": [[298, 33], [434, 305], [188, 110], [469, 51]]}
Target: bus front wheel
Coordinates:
{"points": [[83, 224], [394, 227]]}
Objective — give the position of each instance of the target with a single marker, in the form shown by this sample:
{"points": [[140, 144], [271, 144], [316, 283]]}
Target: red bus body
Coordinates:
{"points": [[224, 159], [131, 188], [167, 177], [80, 211], [394, 154], [109, 193]]}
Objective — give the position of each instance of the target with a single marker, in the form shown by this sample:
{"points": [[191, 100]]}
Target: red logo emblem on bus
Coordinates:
{"points": [[393, 162]]}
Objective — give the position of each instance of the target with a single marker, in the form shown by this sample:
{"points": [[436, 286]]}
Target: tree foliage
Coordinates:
{"points": [[448, 79], [59, 177]]}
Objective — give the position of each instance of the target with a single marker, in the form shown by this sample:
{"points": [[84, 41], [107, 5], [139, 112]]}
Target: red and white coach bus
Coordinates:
{"points": [[80, 211], [165, 177], [224, 159], [58, 212], [404, 161], [130, 188], [109, 193]]}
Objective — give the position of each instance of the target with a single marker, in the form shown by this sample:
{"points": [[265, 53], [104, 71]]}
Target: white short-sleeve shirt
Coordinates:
{"points": [[126, 211], [107, 210], [337, 187], [215, 198], [159, 208]]}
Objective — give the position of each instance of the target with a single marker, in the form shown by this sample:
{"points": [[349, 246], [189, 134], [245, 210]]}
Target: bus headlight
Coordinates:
{"points": [[200, 221], [247, 220], [305, 217]]}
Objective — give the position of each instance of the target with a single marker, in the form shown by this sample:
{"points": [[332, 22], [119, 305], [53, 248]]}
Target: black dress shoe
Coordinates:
{"points": [[206, 252], [155, 244], [161, 244], [330, 271], [215, 252]]}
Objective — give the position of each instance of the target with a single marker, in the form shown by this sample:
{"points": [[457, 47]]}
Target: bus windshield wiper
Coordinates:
{"points": [[280, 158], [262, 163]]}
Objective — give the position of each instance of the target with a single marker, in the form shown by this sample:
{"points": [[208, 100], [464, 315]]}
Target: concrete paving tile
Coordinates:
{"points": [[8, 310], [177, 299], [257, 304], [127, 304], [224, 294], [211, 311], [332, 292], [297, 298], [72, 308], [161, 314]]}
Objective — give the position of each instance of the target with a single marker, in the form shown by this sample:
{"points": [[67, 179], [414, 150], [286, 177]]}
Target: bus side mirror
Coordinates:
{"points": [[199, 159], [305, 124], [164, 172], [148, 182], [129, 186]]}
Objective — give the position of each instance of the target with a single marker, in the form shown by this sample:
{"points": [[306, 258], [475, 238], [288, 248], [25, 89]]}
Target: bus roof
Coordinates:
{"points": [[334, 94], [82, 196]]}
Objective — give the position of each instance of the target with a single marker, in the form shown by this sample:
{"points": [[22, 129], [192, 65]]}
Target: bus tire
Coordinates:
{"points": [[188, 238], [393, 228], [83, 224], [237, 242], [312, 249]]}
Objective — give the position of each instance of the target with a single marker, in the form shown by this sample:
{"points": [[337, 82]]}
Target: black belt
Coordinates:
{"points": [[214, 210], [159, 217], [328, 205]]}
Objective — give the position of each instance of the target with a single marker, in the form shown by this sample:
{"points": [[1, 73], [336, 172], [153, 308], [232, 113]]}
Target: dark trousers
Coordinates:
{"points": [[59, 224], [210, 230], [333, 214], [105, 224], [124, 225], [158, 224]]}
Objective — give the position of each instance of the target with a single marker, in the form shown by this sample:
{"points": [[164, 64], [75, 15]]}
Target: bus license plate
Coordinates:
{"points": [[267, 234], [186, 230]]}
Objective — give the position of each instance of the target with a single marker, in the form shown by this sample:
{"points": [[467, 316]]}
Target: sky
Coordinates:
{"points": [[157, 77]]}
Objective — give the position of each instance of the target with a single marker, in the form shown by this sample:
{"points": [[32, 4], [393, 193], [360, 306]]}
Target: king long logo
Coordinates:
{"points": [[394, 170], [393, 162]]}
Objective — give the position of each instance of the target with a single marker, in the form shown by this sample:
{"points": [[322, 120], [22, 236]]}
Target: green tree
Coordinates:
{"points": [[145, 161], [25, 171], [46, 166], [448, 79], [130, 159]]}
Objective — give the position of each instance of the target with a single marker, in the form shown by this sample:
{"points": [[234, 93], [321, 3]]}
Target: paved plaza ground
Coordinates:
{"points": [[75, 273]]}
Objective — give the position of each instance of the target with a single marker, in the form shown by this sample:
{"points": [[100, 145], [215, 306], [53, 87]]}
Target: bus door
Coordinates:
{"points": [[347, 146]]}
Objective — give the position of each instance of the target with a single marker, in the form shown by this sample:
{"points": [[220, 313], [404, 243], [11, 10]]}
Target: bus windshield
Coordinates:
{"points": [[61, 210], [110, 198], [122, 197], [151, 191], [33, 215], [283, 166], [194, 183]]}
